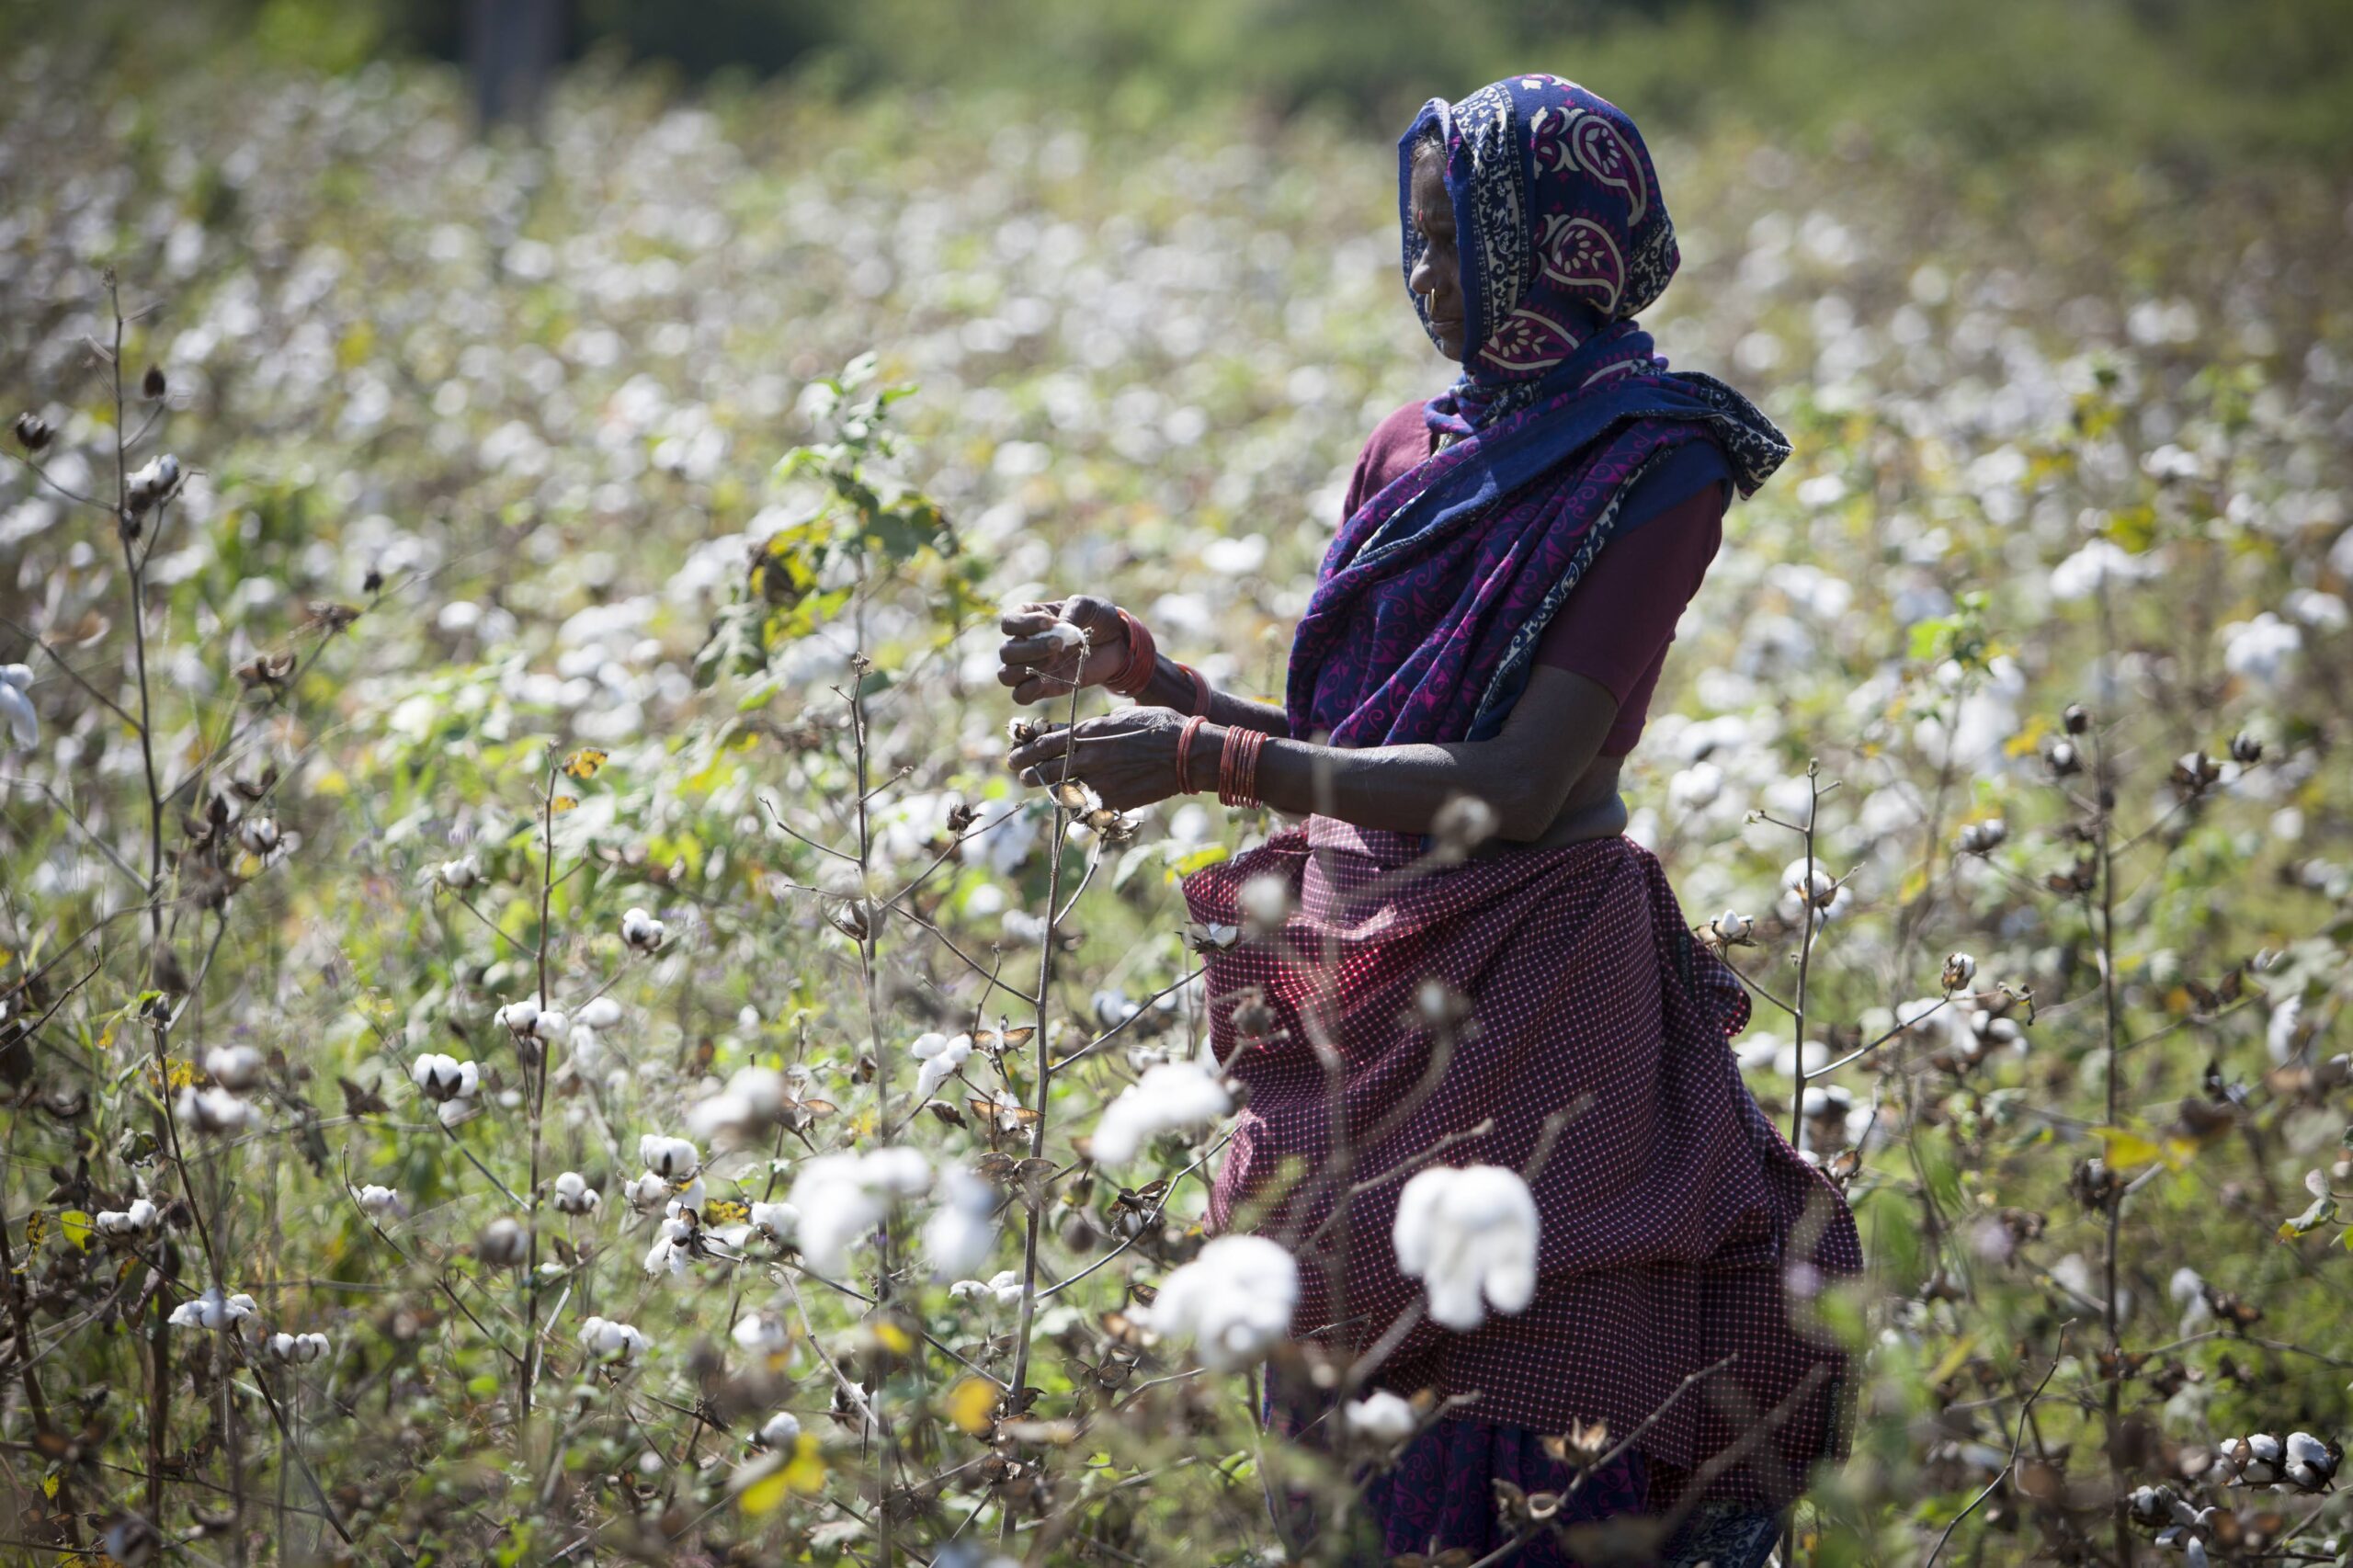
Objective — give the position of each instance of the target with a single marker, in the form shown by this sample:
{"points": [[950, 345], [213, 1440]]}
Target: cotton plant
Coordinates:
{"points": [[1168, 1098], [1469, 1233], [1232, 1302]]}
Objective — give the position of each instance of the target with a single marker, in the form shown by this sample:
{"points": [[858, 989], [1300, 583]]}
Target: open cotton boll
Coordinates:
{"points": [[1383, 1416], [1172, 1095], [234, 1066], [573, 1195], [598, 1013], [1469, 1235], [445, 1078], [961, 1231], [671, 1159], [1233, 1301], [940, 1056], [24, 724], [779, 1431], [753, 1099], [211, 1310], [608, 1341], [382, 1202], [842, 1198]]}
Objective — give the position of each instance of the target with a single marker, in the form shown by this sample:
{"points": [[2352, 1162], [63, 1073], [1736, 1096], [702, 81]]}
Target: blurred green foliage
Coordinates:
{"points": [[2201, 86]]}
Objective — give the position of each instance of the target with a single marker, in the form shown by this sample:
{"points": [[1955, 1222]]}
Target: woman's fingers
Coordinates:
{"points": [[1024, 620], [1060, 638], [1030, 754]]}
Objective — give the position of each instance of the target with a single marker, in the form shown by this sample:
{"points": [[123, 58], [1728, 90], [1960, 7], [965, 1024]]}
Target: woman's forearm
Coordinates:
{"points": [[1398, 788], [1171, 688]]}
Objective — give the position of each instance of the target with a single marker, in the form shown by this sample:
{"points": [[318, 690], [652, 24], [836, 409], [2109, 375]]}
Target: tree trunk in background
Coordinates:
{"points": [[512, 47]]}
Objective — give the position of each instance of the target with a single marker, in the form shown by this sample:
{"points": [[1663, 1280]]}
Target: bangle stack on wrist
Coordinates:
{"points": [[1143, 657], [1237, 767], [1185, 785]]}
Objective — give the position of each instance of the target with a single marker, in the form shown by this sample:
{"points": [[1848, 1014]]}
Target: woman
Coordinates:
{"points": [[1488, 624]]}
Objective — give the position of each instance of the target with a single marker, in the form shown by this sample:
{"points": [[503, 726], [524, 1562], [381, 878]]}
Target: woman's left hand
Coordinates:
{"points": [[1128, 757]]}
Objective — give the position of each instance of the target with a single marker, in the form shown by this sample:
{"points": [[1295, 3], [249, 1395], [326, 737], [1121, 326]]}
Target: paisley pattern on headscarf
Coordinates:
{"points": [[1431, 602], [1563, 229]]}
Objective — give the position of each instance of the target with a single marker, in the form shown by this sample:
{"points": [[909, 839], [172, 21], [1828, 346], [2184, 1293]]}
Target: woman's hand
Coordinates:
{"points": [[1129, 758], [1041, 657]]}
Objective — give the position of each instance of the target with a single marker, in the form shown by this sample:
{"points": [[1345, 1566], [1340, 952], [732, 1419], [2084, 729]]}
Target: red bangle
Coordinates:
{"points": [[1201, 689], [1185, 785], [1143, 656]]}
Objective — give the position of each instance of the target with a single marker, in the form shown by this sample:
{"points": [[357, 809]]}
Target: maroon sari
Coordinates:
{"points": [[1679, 1230]]}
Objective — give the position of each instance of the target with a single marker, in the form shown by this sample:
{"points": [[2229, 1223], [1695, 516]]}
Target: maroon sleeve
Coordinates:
{"points": [[1397, 443], [1616, 624]]}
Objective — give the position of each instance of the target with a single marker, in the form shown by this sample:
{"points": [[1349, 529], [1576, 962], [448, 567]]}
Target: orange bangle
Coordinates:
{"points": [[1143, 657], [1185, 785]]}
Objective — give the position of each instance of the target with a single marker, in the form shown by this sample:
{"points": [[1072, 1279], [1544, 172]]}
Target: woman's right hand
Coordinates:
{"points": [[1040, 661]]}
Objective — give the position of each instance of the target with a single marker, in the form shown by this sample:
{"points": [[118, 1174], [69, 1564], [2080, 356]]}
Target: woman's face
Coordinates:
{"points": [[1438, 274]]}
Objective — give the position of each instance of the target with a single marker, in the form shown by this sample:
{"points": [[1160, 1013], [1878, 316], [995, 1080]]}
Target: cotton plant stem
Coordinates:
{"points": [[538, 1083], [886, 1547], [1044, 1068], [2112, 1033]]}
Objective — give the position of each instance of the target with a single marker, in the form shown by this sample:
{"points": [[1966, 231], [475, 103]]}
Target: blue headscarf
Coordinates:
{"points": [[1426, 615]]}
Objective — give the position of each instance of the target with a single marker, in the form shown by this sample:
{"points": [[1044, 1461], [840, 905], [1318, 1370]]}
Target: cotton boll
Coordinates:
{"points": [[1172, 1095], [776, 1221], [1468, 1233], [211, 1310], [17, 708], [762, 1334], [842, 1198], [519, 1017], [234, 1066], [444, 1078], [780, 1430], [573, 1195], [380, 1203], [961, 1231], [606, 1340], [600, 1012], [210, 1110], [640, 931], [1233, 1301], [752, 1100], [1381, 1415], [940, 1055], [671, 1159]]}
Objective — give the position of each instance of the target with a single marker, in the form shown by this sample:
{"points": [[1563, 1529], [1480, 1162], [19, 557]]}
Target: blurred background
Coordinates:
{"points": [[2201, 84]]}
